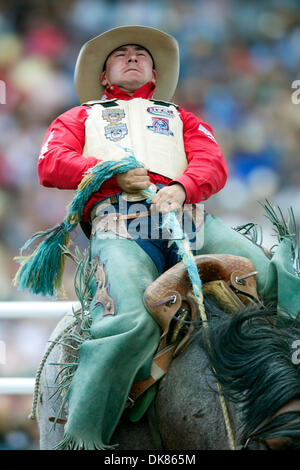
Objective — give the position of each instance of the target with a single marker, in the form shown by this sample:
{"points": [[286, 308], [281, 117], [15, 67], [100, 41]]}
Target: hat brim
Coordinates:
{"points": [[93, 54]]}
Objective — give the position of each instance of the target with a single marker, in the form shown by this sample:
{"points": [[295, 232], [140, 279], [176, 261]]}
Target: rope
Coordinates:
{"points": [[180, 238], [42, 271], [41, 367]]}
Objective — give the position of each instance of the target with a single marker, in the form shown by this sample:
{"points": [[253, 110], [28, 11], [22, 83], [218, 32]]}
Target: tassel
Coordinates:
{"points": [[42, 271]]}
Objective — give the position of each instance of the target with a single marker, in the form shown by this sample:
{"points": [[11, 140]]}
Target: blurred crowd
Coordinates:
{"points": [[239, 59]]}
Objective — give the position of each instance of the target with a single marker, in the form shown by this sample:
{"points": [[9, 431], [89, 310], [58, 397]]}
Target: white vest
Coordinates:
{"points": [[151, 129]]}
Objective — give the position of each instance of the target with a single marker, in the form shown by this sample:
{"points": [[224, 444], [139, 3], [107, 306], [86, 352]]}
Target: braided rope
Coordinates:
{"points": [[184, 250], [41, 367]]}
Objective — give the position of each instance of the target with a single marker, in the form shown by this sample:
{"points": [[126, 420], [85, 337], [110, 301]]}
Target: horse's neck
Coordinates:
{"points": [[188, 395]]}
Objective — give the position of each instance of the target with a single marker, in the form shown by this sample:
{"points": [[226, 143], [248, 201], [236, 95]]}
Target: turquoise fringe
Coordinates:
{"points": [[42, 271]]}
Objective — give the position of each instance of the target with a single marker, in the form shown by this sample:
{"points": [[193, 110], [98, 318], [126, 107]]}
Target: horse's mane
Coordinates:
{"points": [[252, 360]]}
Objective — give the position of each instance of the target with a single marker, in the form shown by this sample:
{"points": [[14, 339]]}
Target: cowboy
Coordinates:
{"points": [[125, 80], [114, 67]]}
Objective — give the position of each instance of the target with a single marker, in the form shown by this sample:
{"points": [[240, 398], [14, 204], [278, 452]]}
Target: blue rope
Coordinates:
{"points": [[170, 221]]}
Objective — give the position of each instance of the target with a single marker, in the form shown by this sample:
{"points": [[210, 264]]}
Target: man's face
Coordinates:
{"points": [[129, 67]]}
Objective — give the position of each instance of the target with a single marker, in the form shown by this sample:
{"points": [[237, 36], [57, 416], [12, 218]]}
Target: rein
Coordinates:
{"points": [[187, 256]]}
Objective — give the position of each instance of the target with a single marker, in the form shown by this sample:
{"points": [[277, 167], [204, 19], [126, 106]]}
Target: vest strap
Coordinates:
{"points": [[108, 104]]}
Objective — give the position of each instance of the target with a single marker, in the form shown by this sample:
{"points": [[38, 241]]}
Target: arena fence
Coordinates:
{"points": [[27, 309]]}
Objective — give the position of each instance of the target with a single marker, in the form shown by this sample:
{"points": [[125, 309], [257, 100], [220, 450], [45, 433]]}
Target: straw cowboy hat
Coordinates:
{"points": [[93, 54]]}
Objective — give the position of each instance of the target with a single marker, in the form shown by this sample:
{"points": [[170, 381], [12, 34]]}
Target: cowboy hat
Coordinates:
{"points": [[93, 54]]}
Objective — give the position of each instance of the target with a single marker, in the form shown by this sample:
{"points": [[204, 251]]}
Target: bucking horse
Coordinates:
{"points": [[229, 379]]}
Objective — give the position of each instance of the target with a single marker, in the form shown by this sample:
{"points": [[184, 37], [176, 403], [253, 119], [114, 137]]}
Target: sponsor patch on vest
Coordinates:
{"points": [[115, 132], [113, 115], [161, 111], [160, 126]]}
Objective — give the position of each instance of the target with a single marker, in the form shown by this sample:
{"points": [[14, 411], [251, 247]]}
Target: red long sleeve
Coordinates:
{"points": [[206, 173], [62, 165]]}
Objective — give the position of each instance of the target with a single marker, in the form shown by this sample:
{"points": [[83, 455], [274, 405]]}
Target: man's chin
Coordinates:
{"points": [[132, 86]]}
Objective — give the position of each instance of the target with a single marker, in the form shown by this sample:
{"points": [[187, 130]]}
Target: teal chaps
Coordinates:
{"points": [[124, 336]]}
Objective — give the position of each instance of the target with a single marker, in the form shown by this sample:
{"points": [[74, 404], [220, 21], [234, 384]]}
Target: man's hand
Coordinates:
{"points": [[169, 198], [133, 180]]}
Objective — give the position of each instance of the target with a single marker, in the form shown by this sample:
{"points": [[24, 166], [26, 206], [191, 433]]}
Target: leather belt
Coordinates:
{"points": [[113, 200]]}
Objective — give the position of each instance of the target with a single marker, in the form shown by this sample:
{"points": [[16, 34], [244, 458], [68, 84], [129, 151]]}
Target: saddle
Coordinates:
{"points": [[170, 300]]}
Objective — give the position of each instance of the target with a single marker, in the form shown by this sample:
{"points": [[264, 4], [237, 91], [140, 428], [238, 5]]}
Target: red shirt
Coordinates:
{"points": [[62, 165]]}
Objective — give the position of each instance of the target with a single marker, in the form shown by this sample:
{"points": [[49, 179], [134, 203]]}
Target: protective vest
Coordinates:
{"points": [[152, 129]]}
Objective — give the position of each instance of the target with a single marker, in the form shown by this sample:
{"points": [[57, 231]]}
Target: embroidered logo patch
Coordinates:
{"points": [[160, 126], [160, 111], [113, 115], [115, 132]]}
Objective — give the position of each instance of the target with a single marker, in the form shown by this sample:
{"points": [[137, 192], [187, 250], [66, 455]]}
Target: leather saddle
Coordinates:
{"points": [[170, 300]]}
